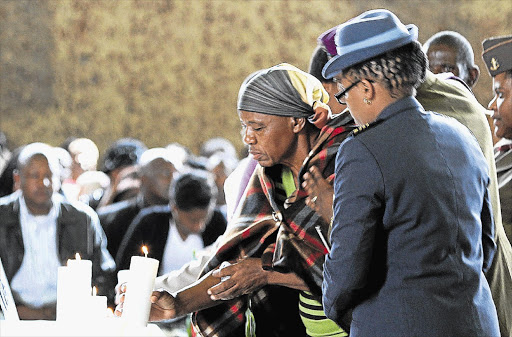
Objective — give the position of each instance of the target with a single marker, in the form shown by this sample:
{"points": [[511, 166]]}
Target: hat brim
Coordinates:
{"points": [[342, 62]]}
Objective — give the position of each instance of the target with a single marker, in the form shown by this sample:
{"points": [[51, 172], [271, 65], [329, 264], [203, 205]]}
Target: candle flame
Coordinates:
{"points": [[94, 291], [77, 257], [145, 251]]}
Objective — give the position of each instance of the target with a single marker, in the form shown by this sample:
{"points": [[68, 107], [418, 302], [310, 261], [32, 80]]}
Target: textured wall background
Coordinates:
{"points": [[169, 71]]}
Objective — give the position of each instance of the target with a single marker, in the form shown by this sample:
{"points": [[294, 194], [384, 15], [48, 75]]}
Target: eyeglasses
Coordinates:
{"points": [[340, 96]]}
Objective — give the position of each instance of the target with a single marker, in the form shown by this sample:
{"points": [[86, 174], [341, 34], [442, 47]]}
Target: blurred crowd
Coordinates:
{"points": [[127, 184]]}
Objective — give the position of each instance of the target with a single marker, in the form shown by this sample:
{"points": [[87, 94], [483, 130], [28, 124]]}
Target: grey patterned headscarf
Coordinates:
{"points": [[285, 90]]}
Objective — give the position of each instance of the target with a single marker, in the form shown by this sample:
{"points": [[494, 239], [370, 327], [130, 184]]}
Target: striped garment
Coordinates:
{"points": [[282, 233], [310, 309], [314, 319]]}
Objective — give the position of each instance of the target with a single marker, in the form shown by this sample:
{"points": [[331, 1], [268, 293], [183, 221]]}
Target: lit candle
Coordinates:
{"points": [[81, 271], [73, 289], [137, 304]]}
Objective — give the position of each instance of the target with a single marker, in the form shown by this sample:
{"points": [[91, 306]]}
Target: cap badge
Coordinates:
{"points": [[494, 64]]}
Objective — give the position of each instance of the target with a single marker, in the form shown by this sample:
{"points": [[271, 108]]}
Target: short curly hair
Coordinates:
{"points": [[401, 70]]}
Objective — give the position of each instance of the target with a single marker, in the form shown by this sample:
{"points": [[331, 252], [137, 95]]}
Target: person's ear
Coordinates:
{"points": [[369, 89], [298, 124], [17, 180], [173, 208], [474, 74]]}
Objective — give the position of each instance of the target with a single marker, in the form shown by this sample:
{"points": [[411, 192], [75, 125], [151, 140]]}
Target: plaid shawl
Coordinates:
{"points": [[282, 233]]}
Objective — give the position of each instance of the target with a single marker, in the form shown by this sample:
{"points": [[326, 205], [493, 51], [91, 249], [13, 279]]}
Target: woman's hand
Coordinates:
{"points": [[163, 306], [243, 277], [119, 300], [247, 276], [320, 193]]}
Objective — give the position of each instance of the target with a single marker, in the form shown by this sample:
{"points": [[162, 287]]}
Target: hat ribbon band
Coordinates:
{"points": [[374, 40]]}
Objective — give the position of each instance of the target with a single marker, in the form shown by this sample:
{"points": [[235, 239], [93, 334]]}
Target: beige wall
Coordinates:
{"points": [[169, 71]]}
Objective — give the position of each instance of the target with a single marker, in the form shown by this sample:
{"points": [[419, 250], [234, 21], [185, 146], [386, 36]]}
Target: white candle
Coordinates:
{"points": [[97, 306], [137, 304], [123, 276], [81, 271], [74, 290], [64, 294]]}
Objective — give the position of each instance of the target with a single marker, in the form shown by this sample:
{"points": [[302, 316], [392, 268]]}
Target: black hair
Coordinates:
{"points": [[191, 190], [6, 178], [400, 70], [317, 63], [123, 152]]}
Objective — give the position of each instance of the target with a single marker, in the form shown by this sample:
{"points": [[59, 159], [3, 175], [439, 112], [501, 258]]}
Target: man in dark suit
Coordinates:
{"points": [[40, 231]]}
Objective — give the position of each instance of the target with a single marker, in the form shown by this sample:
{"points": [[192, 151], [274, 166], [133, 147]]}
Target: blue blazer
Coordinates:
{"points": [[412, 230]]}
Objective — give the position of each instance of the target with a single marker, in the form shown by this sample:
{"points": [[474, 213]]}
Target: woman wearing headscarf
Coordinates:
{"points": [[277, 244], [412, 231]]}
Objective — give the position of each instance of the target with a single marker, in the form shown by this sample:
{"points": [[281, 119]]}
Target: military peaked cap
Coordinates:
{"points": [[497, 54]]}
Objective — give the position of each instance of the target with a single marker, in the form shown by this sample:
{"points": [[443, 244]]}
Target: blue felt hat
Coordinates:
{"points": [[370, 34]]}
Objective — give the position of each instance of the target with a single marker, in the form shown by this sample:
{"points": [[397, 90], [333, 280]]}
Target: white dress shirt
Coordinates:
{"points": [[35, 283], [177, 251]]}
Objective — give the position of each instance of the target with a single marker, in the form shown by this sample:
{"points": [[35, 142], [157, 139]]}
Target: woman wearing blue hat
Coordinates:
{"points": [[412, 231]]}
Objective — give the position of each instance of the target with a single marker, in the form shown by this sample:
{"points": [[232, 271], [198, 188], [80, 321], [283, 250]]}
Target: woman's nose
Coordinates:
{"points": [[248, 138]]}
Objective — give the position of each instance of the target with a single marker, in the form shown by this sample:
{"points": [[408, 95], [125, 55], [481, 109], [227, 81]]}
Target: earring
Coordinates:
{"points": [[367, 101]]}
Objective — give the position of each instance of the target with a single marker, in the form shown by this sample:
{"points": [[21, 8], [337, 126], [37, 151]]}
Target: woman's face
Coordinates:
{"points": [[353, 98], [501, 105], [271, 139]]}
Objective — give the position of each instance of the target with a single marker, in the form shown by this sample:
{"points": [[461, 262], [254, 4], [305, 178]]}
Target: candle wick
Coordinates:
{"points": [[145, 251]]}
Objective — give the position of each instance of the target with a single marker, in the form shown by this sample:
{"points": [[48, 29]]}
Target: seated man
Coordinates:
{"points": [[155, 171], [40, 231], [174, 233]]}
